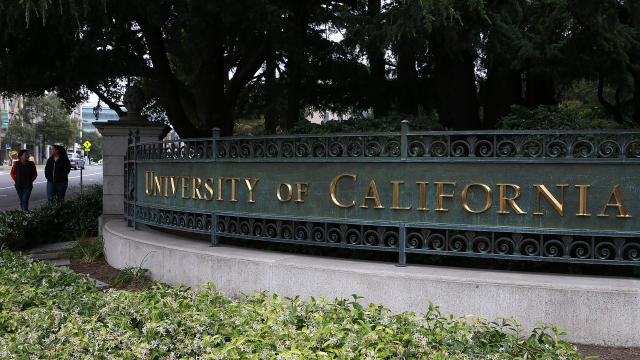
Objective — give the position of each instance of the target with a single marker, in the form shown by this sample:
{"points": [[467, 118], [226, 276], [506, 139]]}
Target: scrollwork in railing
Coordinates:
{"points": [[311, 146], [191, 149], [487, 244], [525, 144], [312, 233], [568, 248]]}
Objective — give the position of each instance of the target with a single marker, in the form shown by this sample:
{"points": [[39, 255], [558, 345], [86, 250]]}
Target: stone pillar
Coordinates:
{"points": [[114, 149]]}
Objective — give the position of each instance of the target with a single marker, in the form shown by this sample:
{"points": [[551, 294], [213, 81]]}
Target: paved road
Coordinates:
{"points": [[9, 199]]}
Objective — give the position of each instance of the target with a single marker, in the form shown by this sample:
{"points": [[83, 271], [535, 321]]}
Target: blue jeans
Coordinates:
{"points": [[24, 193], [56, 190]]}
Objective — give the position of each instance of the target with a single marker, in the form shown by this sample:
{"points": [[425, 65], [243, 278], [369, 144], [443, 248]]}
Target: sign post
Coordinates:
{"points": [[87, 146]]}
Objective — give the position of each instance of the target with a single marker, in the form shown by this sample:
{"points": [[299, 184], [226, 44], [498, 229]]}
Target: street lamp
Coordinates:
{"points": [[96, 110]]}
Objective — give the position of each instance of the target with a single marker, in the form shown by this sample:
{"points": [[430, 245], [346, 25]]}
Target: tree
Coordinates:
{"points": [[208, 63], [50, 120], [95, 152]]}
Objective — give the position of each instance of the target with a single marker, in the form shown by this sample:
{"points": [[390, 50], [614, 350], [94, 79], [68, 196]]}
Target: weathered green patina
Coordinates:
{"points": [[558, 196]]}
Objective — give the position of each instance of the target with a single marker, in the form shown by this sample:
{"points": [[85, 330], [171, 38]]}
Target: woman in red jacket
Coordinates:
{"points": [[24, 173]]}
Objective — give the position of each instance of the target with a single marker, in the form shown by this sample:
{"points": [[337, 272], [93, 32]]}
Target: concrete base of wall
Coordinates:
{"points": [[593, 310]]}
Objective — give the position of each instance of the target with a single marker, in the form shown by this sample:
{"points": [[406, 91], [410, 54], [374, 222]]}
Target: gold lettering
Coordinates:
{"points": [[489, 198], [441, 195], [185, 186], [251, 187], [209, 188], [220, 189], [396, 196], [301, 190], [148, 178], [289, 193], [332, 190], [550, 198], [233, 188], [166, 186], [157, 185], [615, 193], [583, 200], [195, 188], [423, 196], [511, 200], [372, 194], [174, 185]]}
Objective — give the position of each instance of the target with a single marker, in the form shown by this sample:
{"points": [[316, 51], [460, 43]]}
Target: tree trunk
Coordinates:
{"points": [[298, 31], [540, 90], [407, 81], [503, 89], [271, 100], [611, 108], [377, 76], [635, 71], [456, 92]]}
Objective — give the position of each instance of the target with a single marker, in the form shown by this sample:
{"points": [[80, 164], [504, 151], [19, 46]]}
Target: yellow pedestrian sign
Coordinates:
{"points": [[87, 145]]}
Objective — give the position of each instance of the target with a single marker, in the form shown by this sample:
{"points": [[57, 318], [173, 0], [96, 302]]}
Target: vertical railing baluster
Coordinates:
{"points": [[402, 245], [215, 135], [214, 229], [135, 178], [404, 143], [127, 171]]}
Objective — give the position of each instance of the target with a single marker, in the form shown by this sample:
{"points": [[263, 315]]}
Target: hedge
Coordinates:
{"points": [[58, 221]]}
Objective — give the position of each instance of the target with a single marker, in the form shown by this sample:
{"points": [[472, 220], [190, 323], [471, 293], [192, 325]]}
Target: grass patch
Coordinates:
{"points": [[88, 249], [135, 276]]}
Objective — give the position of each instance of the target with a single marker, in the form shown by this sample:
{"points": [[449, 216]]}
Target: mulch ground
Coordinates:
{"points": [[102, 271], [609, 353]]}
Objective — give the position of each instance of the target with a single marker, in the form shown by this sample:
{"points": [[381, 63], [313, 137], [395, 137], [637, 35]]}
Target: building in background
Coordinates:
{"points": [[9, 108], [89, 117]]}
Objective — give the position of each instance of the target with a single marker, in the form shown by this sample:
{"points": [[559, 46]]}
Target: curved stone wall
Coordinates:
{"points": [[593, 310]]}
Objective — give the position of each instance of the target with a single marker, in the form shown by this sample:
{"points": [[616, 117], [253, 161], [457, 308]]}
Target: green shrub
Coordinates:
{"points": [[48, 312], [569, 116], [58, 221], [359, 124]]}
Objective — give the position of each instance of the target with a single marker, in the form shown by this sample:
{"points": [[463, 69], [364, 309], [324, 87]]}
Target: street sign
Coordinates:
{"points": [[7, 146], [87, 145], [4, 119]]}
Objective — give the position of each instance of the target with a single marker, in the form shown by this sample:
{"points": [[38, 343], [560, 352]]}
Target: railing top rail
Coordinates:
{"points": [[617, 132], [528, 132]]}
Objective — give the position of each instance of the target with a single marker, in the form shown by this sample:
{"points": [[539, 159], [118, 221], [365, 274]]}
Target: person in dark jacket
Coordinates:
{"points": [[23, 174], [56, 171]]}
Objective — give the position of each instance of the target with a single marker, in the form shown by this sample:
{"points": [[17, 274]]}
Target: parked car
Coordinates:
{"points": [[77, 162]]}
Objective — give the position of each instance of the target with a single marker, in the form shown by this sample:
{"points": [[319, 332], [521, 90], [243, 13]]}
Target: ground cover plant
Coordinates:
{"points": [[59, 221], [53, 313]]}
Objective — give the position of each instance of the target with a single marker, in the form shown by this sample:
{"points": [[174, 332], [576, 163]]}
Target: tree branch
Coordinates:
{"points": [[112, 105]]}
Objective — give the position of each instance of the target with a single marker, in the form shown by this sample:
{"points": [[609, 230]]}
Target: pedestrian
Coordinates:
{"points": [[56, 171], [23, 174]]}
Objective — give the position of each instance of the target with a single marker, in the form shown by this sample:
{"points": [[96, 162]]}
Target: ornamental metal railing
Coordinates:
{"points": [[604, 244]]}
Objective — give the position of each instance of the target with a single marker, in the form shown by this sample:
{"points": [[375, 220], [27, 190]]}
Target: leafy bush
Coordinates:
{"points": [[53, 222], [359, 124], [48, 312], [566, 117]]}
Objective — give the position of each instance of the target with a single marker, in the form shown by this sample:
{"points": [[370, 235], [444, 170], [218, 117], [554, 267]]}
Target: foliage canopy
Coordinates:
{"points": [[209, 63]]}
